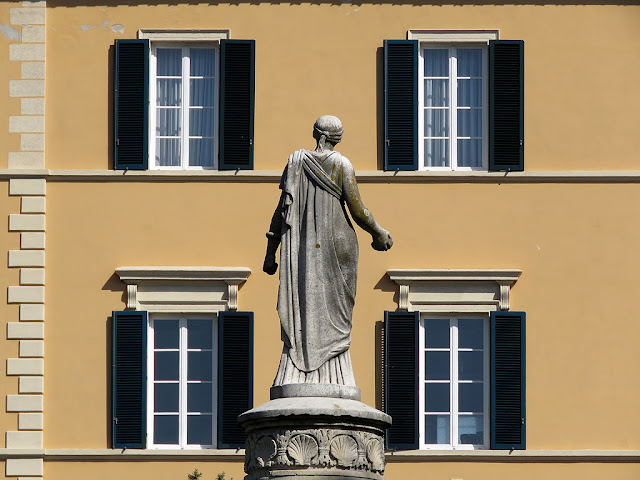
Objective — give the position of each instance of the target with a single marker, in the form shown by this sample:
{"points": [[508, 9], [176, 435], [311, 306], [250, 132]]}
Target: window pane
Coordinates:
{"points": [[470, 397], [168, 122], [436, 62], [469, 62], [199, 366], [470, 93], [437, 397], [437, 365], [436, 122], [202, 62], [437, 333], [169, 62], [168, 152], [199, 333], [199, 397], [436, 429], [166, 366], [165, 429], [470, 334], [199, 430], [165, 397], [436, 93], [165, 333], [470, 153], [470, 366], [201, 152], [201, 122], [436, 153], [169, 92], [202, 92], [471, 429], [470, 122]]}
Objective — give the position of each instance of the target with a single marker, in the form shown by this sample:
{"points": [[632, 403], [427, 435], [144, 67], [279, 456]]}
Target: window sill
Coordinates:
{"points": [[363, 176]]}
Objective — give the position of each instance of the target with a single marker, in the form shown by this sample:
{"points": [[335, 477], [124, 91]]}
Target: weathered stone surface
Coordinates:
{"points": [[314, 438]]}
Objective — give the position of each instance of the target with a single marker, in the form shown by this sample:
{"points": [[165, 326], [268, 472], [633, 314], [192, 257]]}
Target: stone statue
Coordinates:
{"points": [[318, 260]]}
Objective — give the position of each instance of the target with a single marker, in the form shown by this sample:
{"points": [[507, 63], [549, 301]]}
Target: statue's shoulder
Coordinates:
{"points": [[343, 161]]}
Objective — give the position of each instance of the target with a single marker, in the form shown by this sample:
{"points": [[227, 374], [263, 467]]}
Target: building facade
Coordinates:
{"points": [[141, 148]]}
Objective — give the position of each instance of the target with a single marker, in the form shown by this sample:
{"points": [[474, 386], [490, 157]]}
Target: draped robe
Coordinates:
{"points": [[318, 270]]}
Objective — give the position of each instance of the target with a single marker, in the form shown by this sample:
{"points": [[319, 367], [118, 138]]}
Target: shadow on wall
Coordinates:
{"points": [[417, 3], [385, 285]]}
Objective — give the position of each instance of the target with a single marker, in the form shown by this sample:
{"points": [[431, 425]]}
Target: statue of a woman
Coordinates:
{"points": [[318, 259]]}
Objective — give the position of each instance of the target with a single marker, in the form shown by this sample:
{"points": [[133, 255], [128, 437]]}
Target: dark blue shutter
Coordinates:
{"points": [[235, 375], [400, 104], [401, 378], [237, 92], [506, 105], [129, 379], [508, 380], [131, 105]]}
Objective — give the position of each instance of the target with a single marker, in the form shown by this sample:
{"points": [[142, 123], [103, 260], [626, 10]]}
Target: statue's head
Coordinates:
{"points": [[328, 129]]}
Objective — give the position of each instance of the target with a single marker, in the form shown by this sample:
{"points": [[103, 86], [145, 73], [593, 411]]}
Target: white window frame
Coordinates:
{"points": [[451, 39], [184, 110], [453, 381], [183, 382]]}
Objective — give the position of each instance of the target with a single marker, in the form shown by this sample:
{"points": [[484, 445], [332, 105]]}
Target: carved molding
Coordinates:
{"points": [[454, 290], [325, 447], [403, 300], [132, 296], [197, 289]]}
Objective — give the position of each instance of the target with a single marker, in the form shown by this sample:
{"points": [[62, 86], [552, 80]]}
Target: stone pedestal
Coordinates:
{"points": [[318, 432]]}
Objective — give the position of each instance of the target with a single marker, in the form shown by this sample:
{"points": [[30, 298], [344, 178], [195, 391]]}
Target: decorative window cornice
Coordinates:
{"points": [[464, 290], [171, 35], [171, 289], [453, 36]]}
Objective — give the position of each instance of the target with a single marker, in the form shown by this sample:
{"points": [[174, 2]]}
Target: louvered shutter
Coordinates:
{"points": [[401, 104], [235, 375], [401, 378], [129, 378], [508, 380], [237, 74], [131, 105], [506, 105]]}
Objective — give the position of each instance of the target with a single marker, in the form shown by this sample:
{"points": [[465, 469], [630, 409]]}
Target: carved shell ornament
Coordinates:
{"points": [[375, 454], [302, 449], [265, 450], [344, 450]]}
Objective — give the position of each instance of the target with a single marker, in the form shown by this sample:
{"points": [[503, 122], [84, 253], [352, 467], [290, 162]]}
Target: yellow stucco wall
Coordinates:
{"points": [[574, 244], [581, 64]]}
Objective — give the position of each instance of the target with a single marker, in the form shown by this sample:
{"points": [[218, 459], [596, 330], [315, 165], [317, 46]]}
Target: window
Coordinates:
{"points": [[454, 361], [183, 101], [184, 107], [182, 359], [181, 373], [454, 101], [454, 366]]}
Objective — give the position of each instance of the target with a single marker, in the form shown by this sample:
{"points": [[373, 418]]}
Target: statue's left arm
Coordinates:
{"points": [[361, 215]]}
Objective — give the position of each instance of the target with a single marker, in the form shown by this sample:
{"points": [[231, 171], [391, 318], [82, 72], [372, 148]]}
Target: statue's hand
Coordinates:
{"points": [[382, 241], [270, 266]]}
